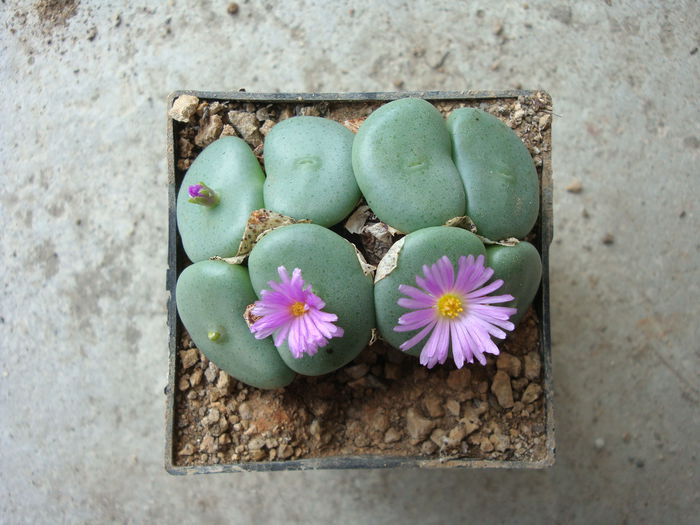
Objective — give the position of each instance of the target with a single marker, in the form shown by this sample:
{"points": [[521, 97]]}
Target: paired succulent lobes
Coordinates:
{"points": [[421, 247], [520, 267], [403, 165], [329, 264], [211, 298], [498, 173], [229, 168], [416, 172], [308, 162]]}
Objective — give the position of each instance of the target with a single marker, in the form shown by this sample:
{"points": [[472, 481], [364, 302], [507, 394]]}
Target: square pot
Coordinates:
{"points": [[508, 104]]}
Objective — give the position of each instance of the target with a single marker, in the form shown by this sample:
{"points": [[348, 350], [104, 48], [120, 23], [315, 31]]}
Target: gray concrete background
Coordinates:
{"points": [[83, 357]]}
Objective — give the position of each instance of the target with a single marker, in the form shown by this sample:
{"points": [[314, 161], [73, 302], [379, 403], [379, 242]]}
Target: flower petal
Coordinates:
{"points": [[417, 294], [437, 347], [304, 333], [493, 299], [479, 280], [281, 334], [413, 341], [428, 283], [446, 272], [417, 316], [492, 287]]}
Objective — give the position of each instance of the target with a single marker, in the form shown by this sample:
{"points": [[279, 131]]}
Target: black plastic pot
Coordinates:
{"points": [[177, 260]]}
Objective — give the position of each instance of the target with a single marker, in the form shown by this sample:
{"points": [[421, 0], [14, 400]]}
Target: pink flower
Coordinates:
{"points": [[458, 312], [294, 313]]}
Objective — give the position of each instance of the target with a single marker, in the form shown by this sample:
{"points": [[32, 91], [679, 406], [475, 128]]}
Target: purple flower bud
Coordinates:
{"points": [[203, 195], [195, 190]]}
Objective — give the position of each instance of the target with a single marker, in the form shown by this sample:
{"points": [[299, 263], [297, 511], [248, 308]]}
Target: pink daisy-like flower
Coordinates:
{"points": [[458, 311], [294, 313]]}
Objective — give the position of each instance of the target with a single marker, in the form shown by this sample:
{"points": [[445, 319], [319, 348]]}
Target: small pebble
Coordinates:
{"points": [[438, 437], [196, 377], [357, 371], [187, 450], [244, 411], [267, 127], [428, 448], [456, 435], [211, 372], [599, 443], [502, 390], [486, 445], [392, 435], [532, 365], [232, 8], [608, 239], [433, 405], [188, 357], [284, 451], [418, 427], [575, 187], [259, 454], [532, 392], [509, 363], [228, 131], [452, 407], [459, 379], [246, 124], [209, 130], [184, 107]]}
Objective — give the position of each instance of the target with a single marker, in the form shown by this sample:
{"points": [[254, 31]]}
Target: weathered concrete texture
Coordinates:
{"points": [[83, 207]]}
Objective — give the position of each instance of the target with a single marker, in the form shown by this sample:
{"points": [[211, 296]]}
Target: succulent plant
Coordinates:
{"points": [[306, 301]]}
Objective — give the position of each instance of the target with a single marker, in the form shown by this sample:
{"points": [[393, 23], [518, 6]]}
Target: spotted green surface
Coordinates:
{"points": [[403, 165], [498, 173], [520, 267], [229, 167], [308, 163], [423, 247], [212, 297], [329, 264]]}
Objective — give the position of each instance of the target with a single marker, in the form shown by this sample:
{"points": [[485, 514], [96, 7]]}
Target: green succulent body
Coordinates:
{"points": [[230, 169], [308, 163], [329, 264], [403, 165], [498, 173], [211, 299]]}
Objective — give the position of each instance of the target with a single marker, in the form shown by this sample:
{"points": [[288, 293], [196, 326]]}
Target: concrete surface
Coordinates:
{"points": [[83, 205]]}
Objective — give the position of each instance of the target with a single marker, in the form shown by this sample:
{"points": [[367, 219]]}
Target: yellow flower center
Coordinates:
{"points": [[449, 305], [298, 309]]}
